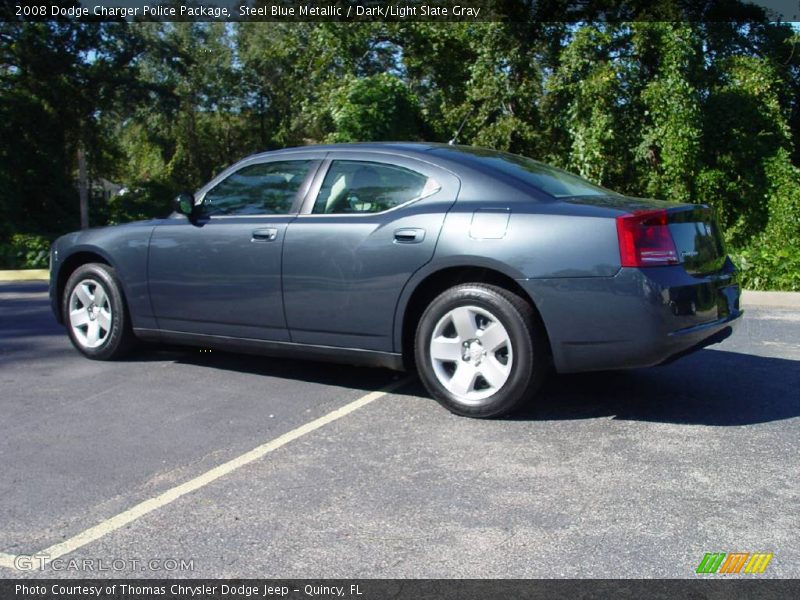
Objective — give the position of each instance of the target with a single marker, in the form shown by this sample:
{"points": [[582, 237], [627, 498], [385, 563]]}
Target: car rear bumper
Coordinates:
{"points": [[638, 318]]}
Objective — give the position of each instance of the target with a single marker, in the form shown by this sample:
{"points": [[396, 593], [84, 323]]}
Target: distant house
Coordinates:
{"points": [[105, 189]]}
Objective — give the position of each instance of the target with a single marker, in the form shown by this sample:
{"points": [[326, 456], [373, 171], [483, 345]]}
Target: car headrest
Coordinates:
{"points": [[365, 177]]}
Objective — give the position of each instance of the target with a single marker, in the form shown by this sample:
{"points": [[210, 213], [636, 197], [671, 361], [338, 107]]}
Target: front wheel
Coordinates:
{"points": [[95, 314], [480, 350]]}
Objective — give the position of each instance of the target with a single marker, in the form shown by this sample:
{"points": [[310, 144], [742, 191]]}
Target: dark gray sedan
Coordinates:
{"points": [[482, 270]]}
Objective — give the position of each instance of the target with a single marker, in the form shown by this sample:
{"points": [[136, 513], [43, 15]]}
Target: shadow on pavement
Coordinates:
{"points": [[354, 377], [711, 387], [23, 287], [25, 311]]}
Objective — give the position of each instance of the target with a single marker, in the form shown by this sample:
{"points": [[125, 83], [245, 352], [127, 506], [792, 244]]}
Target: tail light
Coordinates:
{"points": [[645, 240]]}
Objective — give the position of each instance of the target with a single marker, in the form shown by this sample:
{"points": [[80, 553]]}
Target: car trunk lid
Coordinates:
{"points": [[697, 238]]}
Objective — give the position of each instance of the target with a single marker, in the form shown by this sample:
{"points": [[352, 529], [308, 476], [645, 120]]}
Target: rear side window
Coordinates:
{"points": [[260, 189], [550, 180], [368, 187]]}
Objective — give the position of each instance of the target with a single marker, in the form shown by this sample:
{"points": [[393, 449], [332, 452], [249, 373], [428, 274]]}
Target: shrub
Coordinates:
{"points": [[25, 251], [769, 266]]}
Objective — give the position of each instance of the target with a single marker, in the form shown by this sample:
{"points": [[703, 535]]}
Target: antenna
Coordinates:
{"points": [[460, 127]]}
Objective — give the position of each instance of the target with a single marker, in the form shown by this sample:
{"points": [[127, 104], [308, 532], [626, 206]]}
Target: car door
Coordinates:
{"points": [[219, 273], [370, 221]]}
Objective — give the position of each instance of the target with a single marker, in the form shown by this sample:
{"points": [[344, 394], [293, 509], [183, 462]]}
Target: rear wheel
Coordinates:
{"points": [[95, 313], [480, 350]]}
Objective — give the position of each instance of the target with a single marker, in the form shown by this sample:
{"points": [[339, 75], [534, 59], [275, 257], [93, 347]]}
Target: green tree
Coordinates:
{"points": [[588, 101], [57, 80], [669, 78], [686, 111], [374, 108]]}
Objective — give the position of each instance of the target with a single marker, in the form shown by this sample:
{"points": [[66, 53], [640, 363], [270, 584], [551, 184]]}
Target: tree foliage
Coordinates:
{"points": [[685, 111]]}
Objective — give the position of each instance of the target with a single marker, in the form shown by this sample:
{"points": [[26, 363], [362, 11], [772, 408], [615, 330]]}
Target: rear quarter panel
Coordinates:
{"points": [[541, 240]]}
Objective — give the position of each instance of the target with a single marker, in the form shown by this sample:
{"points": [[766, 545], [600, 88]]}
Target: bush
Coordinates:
{"points": [[25, 251], [771, 260], [769, 266]]}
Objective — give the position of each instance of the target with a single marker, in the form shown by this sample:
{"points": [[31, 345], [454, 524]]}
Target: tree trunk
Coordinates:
{"points": [[83, 188]]}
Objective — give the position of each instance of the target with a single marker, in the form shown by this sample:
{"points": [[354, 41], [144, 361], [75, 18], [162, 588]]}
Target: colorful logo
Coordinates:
{"points": [[734, 562]]}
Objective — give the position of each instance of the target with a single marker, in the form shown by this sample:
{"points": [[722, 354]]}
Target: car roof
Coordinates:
{"points": [[456, 153]]}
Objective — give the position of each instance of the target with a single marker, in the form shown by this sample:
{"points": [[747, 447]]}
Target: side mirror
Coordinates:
{"points": [[184, 204]]}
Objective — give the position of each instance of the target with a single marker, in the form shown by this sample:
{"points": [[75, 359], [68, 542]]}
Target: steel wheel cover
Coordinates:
{"points": [[90, 314], [471, 353]]}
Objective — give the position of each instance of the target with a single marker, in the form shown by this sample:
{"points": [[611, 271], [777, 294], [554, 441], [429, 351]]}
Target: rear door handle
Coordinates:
{"points": [[409, 235], [267, 234]]}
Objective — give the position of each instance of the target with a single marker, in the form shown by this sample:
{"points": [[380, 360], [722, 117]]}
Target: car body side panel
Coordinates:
{"points": [[342, 273], [125, 248], [540, 241], [431, 269], [211, 277], [221, 274], [343, 292], [535, 245]]}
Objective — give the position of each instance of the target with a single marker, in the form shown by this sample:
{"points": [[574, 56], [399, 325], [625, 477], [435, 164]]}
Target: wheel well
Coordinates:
{"points": [[438, 282], [68, 268]]}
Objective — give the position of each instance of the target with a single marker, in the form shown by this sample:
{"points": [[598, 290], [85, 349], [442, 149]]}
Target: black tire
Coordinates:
{"points": [[524, 334], [118, 339]]}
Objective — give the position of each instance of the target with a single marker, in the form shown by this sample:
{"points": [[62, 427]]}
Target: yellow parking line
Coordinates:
{"points": [[7, 560], [25, 275], [124, 518]]}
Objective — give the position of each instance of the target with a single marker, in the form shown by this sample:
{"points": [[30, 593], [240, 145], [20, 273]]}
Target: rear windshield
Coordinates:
{"points": [[550, 180]]}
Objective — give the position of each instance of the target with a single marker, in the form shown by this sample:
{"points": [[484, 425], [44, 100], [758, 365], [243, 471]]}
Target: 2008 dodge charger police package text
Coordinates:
{"points": [[483, 270]]}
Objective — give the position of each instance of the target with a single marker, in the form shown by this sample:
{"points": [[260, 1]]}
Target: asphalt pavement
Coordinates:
{"points": [[625, 474]]}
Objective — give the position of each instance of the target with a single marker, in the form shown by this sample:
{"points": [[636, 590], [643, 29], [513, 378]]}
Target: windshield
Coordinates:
{"points": [[550, 180]]}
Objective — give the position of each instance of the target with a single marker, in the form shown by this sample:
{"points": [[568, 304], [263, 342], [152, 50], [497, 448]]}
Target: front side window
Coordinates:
{"points": [[352, 187], [260, 189]]}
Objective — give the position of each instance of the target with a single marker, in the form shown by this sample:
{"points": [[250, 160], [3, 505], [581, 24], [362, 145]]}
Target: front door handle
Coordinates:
{"points": [[267, 234], [409, 235]]}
